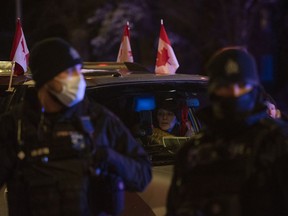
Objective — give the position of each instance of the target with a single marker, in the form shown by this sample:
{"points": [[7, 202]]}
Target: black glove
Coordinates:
{"points": [[101, 154]]}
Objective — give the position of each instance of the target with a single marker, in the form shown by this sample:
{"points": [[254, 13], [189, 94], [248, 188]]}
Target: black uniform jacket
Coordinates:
{"points": [[111, 142], [257, 143]]}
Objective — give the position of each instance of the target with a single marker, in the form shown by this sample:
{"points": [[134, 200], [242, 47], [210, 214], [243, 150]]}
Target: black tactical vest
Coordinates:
{"points": [[230, 177], [51, 177]]}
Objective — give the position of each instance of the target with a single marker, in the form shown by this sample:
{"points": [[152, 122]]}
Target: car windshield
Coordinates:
{"points": [[136, 105]]}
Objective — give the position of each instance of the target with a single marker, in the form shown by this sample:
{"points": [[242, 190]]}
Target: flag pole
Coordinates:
{"points": [[10, 89], [128, 25]]}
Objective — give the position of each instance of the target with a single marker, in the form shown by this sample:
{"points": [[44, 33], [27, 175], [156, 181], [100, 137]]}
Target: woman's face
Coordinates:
{"points": [[271, 110], [166, 119]]}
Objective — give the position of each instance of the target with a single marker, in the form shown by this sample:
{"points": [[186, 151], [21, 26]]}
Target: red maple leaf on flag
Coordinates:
{"points": [[125, 52], [162, 57], [19, 52], [166, 61]]}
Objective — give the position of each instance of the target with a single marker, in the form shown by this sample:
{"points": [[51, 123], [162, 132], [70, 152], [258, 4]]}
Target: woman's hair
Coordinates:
{"points": [[268, 98], [172, 105]]}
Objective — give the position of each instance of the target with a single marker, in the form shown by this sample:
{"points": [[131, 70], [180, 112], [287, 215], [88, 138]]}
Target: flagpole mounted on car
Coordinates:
{"points": [[10, 89], [166, 61], [19, 54], [125, 51]]}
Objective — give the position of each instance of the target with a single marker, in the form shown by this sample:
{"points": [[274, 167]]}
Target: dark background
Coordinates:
{"points": [[196, 29]]}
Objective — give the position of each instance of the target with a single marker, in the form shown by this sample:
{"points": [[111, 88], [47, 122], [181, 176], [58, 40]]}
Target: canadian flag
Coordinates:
{"points": [[19, 52], [166, 62], [125, 52]]}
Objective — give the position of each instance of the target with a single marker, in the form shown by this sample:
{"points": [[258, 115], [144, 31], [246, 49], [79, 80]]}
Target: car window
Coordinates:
{"points": [[136, 106]]}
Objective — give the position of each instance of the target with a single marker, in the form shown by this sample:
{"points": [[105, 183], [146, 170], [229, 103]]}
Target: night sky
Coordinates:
{"points": [[196, 28]]}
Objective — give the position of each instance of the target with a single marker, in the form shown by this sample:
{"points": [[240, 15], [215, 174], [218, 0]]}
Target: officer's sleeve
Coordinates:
{"points": [[7, 147], [280, 175], [178, 172], [123, 153]]}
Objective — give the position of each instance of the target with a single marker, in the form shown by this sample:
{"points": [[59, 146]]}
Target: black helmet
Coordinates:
{"points": [[232, 65]]}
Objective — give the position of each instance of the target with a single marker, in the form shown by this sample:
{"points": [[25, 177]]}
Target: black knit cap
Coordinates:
{"points": [[232, 65], [50, 57]]}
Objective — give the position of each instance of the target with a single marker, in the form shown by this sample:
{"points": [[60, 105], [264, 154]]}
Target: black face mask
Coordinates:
{"points": [[234, 108]]}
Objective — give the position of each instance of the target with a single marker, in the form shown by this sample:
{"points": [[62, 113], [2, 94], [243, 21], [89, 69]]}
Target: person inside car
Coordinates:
{"points": [[270, 103], [168, 121], [68, 155], [166, 118], [272, 108]]}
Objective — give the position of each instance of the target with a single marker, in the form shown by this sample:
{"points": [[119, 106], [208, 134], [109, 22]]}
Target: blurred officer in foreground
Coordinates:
{"points": [[238, 164], [65, 155]]}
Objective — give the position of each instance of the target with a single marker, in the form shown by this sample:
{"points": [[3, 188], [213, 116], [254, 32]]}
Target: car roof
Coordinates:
{"points": [[106, 74], [114, 73], [142, 78]]}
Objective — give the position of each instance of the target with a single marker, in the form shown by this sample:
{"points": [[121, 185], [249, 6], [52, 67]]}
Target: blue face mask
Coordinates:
{"points": [[234, 107]]}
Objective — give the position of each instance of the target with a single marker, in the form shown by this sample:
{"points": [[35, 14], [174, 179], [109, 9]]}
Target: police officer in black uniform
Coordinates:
{"points": [[238, 164], [59, 153]]}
